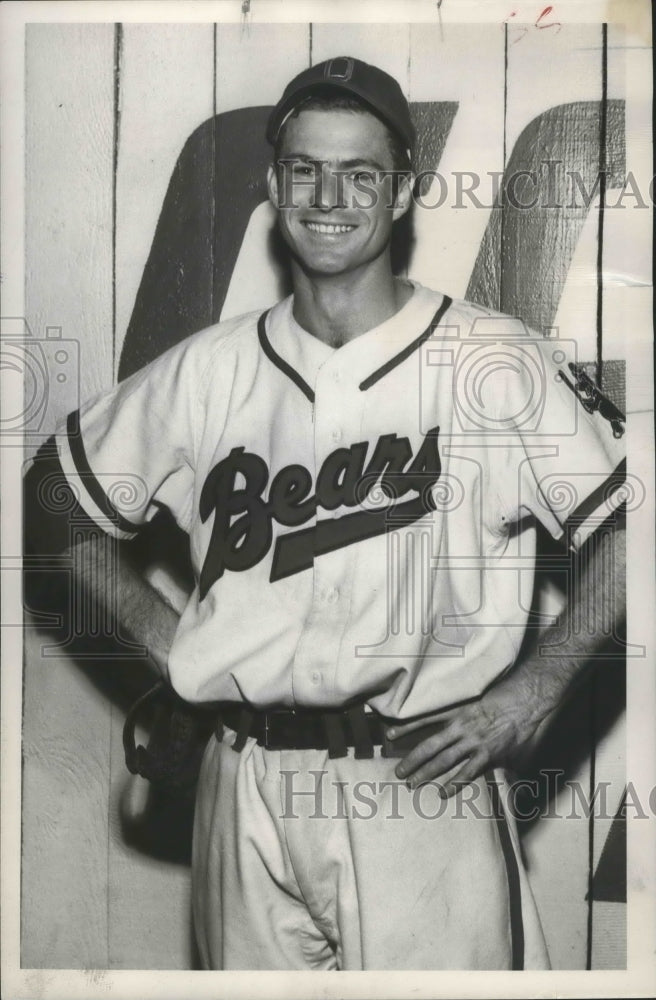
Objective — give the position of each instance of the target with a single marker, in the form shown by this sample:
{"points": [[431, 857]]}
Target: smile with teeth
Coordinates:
{"points": [[327, 228]]}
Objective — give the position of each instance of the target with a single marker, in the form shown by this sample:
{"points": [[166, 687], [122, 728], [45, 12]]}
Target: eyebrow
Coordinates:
{"points": [[341, 164]]}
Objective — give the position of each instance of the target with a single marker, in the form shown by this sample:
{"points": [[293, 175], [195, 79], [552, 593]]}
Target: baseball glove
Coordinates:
{"points": [[178, 736]]}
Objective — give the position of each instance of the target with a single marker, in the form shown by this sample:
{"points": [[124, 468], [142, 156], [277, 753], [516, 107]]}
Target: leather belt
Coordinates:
{"points": [[334, 730]]}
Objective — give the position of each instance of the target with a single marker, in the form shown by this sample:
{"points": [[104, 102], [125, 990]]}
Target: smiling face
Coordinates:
{"points": [[335, 211]]}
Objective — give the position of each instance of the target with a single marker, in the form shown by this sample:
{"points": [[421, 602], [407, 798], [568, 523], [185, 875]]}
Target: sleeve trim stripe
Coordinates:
{"points": [[91, 484], [77, 484], [51, 507], [597, 499]]}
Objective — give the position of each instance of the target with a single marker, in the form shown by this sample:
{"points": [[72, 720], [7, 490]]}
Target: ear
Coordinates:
{"points": [[403, 196], [272, 185]]}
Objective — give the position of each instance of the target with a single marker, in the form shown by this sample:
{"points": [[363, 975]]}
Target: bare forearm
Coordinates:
{"points": [[498, 727], [111, 583], [595, 611]]}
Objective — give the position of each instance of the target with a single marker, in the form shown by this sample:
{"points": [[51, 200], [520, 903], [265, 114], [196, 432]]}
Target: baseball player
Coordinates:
{"points": [[360, 470]]}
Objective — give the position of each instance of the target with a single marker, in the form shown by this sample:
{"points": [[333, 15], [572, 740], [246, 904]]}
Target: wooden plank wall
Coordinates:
{"points": [[109, 108], [67, 727]]}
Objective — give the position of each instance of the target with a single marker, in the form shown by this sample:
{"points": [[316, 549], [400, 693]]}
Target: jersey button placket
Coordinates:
{"points": [[316, 659]]}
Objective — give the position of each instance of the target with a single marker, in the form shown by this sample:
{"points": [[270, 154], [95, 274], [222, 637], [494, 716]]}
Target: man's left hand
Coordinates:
{"points": [[489, 732], [499, 727]]}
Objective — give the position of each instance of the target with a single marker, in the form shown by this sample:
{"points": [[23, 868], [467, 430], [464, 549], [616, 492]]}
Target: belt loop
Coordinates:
{"points": [[335, 734], [388, 747], [245, 723], [364, 747]]}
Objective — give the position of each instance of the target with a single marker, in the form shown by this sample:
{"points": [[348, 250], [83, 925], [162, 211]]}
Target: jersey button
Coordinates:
{"points": [[332, 595], [336, 434], [315, 677]]}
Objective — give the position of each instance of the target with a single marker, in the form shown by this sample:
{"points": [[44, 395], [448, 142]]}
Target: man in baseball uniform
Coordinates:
{"points": [[360, 470]]}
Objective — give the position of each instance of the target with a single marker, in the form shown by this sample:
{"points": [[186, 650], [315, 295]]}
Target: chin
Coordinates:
{"points": [[314, 265]]}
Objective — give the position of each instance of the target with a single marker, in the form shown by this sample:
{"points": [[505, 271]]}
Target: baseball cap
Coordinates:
{"points": [[372, 85]]}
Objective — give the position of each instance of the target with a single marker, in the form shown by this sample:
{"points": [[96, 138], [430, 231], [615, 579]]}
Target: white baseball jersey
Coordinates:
{"points": [[362, 519]]}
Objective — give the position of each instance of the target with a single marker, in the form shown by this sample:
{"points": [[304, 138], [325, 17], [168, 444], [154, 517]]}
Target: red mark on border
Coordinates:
{"points": [[521, 28], [545, 13], [524, 28]]}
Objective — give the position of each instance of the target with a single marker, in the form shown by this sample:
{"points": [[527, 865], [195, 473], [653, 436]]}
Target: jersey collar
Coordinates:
{"points": [[366, 359]]}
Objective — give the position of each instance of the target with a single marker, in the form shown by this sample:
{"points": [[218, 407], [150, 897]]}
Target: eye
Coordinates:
{"points": [[363, 176], [303, 170]]}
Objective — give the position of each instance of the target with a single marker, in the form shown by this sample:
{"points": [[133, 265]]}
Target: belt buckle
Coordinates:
{"points": [[268, 740]]}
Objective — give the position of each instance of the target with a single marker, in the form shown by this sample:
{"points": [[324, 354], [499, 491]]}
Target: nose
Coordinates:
{"points": [[328, 189]]}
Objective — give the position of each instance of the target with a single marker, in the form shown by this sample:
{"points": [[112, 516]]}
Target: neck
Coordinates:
{"points": [[338, 308]]}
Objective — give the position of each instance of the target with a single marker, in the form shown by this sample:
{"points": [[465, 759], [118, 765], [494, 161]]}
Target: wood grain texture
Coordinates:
{"points": [[609, 941], [218, 181], [68, 283], [609, 927], [68, 226], [550, 67], [66, 741], [448, 237], [529, 276], [576, 308], [149, 905], [386, 45], [131, 910], [538, 243], [564, 67], [166, 89], [555, 843], [255, 62], [278, 52], [585, 744], [626, 253], [562, 287]]}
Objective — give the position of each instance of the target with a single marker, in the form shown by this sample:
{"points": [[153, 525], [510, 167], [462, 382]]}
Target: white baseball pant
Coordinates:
{"points": [[305, 862]]}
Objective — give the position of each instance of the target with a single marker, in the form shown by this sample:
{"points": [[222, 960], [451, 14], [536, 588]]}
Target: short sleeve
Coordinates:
{"points": [[130, 451], [565, 463]]}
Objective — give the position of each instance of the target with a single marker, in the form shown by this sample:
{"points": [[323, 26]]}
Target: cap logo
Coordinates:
{"points": [[339, 69]]}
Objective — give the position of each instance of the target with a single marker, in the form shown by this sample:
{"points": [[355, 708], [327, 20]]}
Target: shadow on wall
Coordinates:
{"points": [[218, 181]]}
